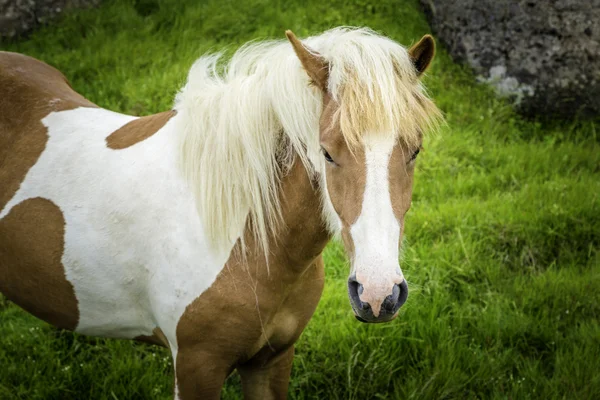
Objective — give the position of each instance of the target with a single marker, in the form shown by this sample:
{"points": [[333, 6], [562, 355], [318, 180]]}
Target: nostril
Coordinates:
{"points": [[389, 305], [363, 305], [355, 289], [391, 301], [352, 287], [398, 297], [403, 295]]}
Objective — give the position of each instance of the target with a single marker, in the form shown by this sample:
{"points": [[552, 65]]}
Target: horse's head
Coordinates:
{"points": [[369, 150]]}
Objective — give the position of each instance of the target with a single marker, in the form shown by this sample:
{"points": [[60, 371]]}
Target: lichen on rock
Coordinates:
{"points": [[543, 54]]}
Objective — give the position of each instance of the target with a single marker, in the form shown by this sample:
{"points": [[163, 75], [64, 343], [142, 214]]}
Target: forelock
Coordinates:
{"points": [[375, 83]]}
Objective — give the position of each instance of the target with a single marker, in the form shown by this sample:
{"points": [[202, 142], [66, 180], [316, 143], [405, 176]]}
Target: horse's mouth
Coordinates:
{"points": [[360, 319], [376, 321]]}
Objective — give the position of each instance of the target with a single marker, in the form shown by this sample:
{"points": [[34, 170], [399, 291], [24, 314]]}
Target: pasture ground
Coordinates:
{"points": [[501, 243]]}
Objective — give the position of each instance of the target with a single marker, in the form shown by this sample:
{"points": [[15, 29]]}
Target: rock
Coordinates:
{"points": [[544, 54], [19, 17]]}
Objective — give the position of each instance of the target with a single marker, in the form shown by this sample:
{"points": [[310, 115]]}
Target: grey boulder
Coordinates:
{"points": [[545, 54]]}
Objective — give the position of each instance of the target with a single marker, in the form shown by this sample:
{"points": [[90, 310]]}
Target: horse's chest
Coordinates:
{"points": [[283, 329], [243, 315], [291, 317]]}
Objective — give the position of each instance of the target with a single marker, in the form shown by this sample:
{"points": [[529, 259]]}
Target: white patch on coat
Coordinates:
{"points": [[135, 248], [376, 232]]}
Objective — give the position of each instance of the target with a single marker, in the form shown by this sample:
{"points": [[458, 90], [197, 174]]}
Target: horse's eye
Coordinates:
{"points": [[415, 154], [327, 156]]}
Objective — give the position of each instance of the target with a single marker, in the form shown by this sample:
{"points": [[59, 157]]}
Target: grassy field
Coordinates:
{"points": [[502, 240]]}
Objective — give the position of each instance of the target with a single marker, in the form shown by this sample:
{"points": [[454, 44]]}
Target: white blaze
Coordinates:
{"points": [[376, 232]]}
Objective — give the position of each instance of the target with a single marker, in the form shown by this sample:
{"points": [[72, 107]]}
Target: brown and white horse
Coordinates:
{"points": [[202, 228]]}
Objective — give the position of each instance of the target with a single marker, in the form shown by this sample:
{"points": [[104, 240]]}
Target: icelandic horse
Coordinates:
{"points": [[202, 228]]}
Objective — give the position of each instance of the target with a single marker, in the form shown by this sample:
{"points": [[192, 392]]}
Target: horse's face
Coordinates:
{"points": [[370, 189]]}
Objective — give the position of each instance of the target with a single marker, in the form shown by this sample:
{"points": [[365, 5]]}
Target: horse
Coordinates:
{"points": [[202, 228]]}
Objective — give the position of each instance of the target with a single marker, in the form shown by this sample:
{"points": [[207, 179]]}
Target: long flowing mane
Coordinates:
{"points": [[242, 123]]}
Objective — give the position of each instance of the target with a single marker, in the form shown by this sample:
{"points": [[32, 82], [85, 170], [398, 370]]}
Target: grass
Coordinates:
{"points": [[502, 240]]}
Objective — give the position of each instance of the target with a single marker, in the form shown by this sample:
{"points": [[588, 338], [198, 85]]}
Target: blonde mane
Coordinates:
{"points": [[242, 124]]}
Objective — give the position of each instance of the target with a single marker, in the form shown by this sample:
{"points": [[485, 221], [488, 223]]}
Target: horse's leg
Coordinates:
{"points": [[199, 375], [267, 380]]}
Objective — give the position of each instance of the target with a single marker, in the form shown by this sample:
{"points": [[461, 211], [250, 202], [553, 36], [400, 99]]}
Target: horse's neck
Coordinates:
{"points": [[304, 233], [302, 236]]}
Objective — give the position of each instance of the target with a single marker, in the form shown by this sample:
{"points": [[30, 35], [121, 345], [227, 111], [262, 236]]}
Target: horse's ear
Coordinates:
{"points": [[422, 53], [315, 66]]}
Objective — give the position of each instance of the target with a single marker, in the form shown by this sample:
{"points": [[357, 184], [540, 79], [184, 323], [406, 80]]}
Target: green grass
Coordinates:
{"points": [[502, 240]]}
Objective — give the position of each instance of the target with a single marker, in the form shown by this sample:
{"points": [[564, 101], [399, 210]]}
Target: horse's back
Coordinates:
{"points": [[29, 90]]}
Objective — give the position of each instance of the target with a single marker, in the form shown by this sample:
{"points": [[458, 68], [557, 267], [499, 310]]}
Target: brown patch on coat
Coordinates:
{"points": [[31, 270], [32, 233], [400, 174], [252, 314], [137, 130], [29, 90]]}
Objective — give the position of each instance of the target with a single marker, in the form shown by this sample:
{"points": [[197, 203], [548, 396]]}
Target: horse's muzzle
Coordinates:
{"points": [[389, 308]]}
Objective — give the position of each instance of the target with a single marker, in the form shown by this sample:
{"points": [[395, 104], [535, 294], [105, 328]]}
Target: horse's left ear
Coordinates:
{"points": [[315, 66], [422, 53]]}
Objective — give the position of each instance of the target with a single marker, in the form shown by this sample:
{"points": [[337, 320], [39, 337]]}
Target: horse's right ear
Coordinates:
{"points": [[315, 66]]}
